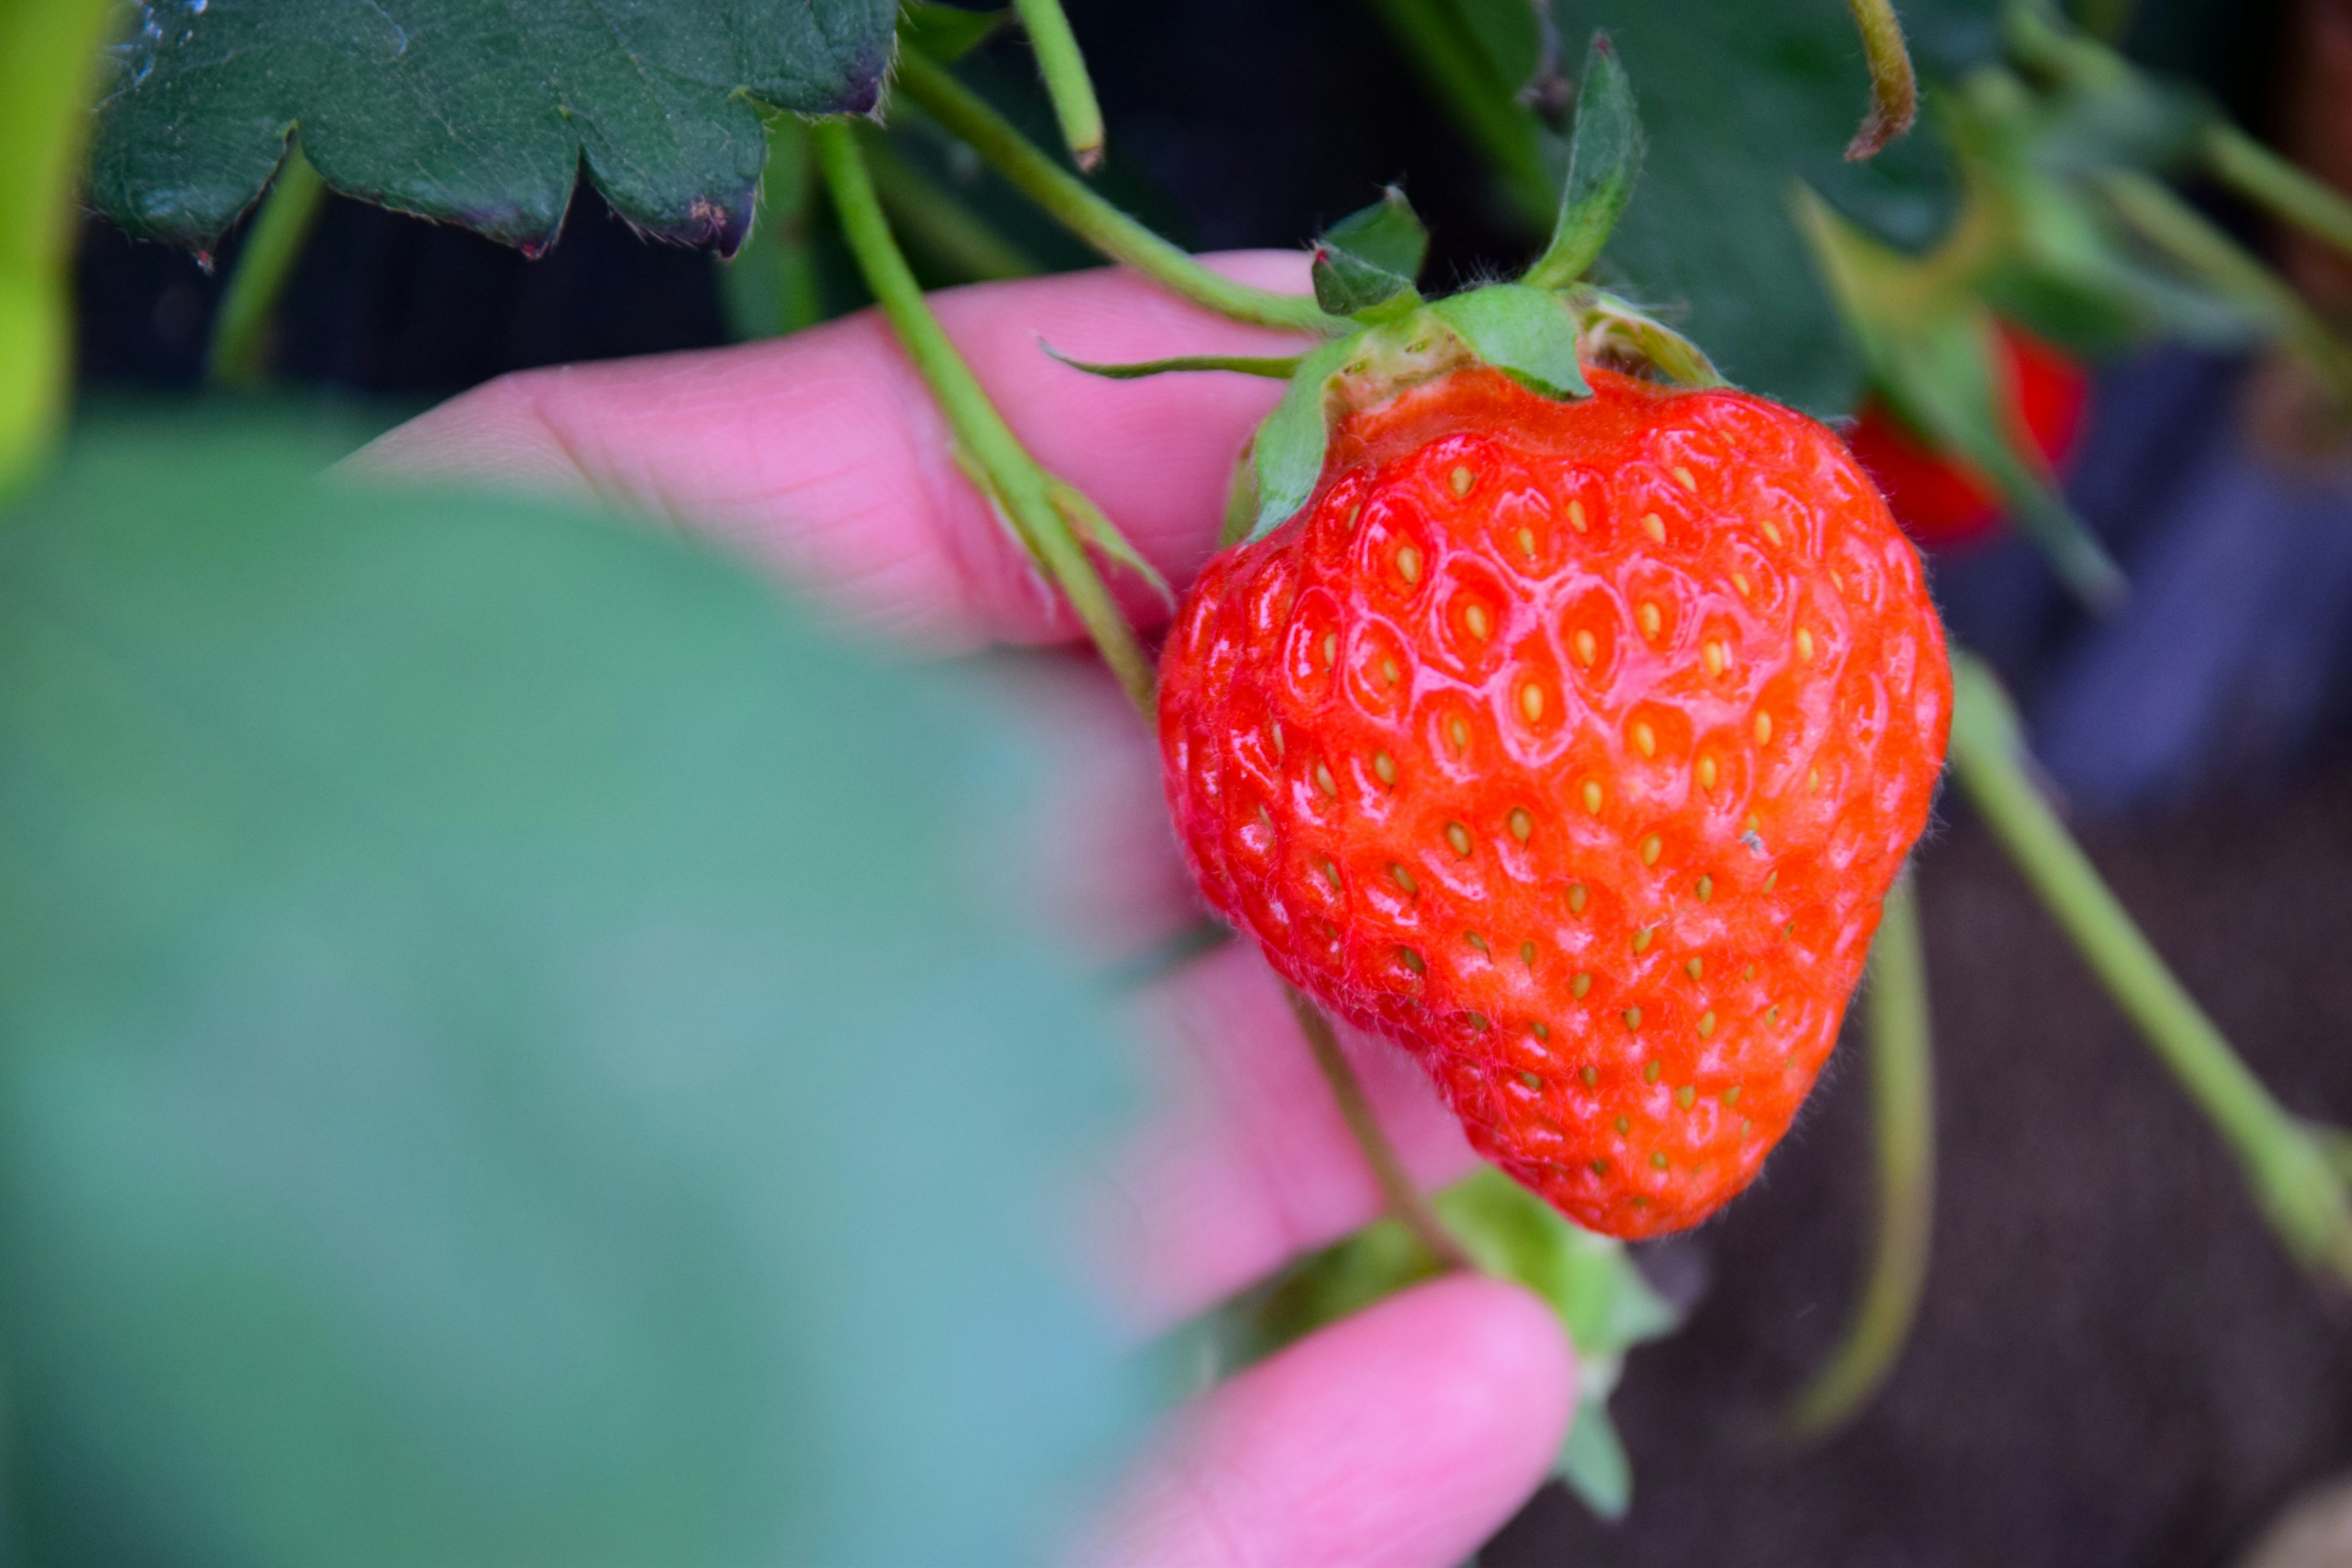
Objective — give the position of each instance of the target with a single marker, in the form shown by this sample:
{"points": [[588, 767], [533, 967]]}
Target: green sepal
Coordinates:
{"points": [[1527, 334], [1592, 1462], [1286, 454], [1277, 367], [1366, 262], [946, 33], [1604, 159], [1603, 1303]]}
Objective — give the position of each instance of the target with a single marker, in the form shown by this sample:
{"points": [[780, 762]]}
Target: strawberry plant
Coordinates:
{"points": [[1561, 707]]}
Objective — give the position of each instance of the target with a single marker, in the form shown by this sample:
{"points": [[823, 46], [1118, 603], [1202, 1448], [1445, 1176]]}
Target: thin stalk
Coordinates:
{"points": [[1070, 203], [933, 219], [239, 349], [2277, 186], [1478, 102], [1063, 69], [1405, 1203], [1902, 1113], [2174, 227], [1894, 89], [2290, 1172], [1022, 492]]}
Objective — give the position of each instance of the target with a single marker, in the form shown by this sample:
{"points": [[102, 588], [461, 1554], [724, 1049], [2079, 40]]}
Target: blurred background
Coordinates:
{"points": [[2115, 1363]]}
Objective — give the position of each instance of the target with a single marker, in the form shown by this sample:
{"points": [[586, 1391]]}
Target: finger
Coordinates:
{"points": [[1402, 1437], [823, 454], [1248, 1164]]}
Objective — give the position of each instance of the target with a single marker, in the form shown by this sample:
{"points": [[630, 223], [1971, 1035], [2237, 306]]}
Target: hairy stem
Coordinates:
{"points": [[273, 244], [1063, 69], [1903, 1120], [1023, 492], [1894, 89], [1405, 1201], [1069, 201], [2292, 1176]]}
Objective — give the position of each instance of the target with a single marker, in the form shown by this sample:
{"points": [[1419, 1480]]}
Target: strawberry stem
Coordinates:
{"points": [[1025, 495], [1406, 1204], [1067, 200], [1063, 69], [1903, 1110], [2294, 1181], [1894, 89], [264, 262]]}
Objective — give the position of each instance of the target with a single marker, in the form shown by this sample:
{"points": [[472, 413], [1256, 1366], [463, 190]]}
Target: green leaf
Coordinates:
{"points": [[514, 1047], [946, 33], [1604, 159], [1525, 332], [1279, 367], [479, 112], [1740, 102], [1604, 1304], [1286, 458], [1369, 259]]}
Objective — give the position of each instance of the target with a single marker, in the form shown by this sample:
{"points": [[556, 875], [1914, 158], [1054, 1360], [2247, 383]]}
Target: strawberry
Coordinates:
{"points": [[1571, 744], [1941, 502]]}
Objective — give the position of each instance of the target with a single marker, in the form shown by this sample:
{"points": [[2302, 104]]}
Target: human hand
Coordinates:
{"points": [[1398, 1438]]}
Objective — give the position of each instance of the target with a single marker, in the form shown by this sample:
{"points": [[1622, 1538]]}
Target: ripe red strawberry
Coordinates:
{"points": [[1940, 502], [1571, 745]]}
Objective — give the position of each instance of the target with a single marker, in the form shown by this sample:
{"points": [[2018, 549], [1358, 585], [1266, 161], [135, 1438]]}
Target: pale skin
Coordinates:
{"points": [[1400, 1438]]}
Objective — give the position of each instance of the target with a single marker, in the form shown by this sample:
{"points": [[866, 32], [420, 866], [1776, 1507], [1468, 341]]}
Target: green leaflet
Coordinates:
{"points": [[478, 112], [1604, 159], [518, 1049], [1370, 259], [1286, 454], [1525, 332]]}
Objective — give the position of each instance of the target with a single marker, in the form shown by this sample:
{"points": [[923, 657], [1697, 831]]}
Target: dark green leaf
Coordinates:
{"points": [[1740, 102], [517, 1049], [1286, 456], [474, 112], [1604, 159], [1526, 332], [1370, 259]]}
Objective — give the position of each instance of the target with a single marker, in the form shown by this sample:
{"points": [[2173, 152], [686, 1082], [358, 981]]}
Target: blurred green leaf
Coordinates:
{"points": [[518, 1049], [478, 112], [1604, 1304], [946, 33], [1742, 101]]}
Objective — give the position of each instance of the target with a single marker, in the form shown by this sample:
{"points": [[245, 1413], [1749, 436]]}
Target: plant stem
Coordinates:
{"points": [[2293, 1178], [2270, 182], [1903, 1112], [935, 221], [236, 358], [48, 70], [1063, 69], [1894, 89], [1405, 1203], [1479, 103], [1024, 493], [1069, 201], [2179, 230]]}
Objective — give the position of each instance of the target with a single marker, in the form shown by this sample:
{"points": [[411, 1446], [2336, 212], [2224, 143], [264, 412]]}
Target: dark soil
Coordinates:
{"points": [[2115, 1362]]}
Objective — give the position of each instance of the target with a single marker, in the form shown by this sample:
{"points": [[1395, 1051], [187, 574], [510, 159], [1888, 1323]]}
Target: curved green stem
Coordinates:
{"points": [[1034, 504], [239, 351], [1894, 89], [1480, 104], [2280, 188], [1063, 69], [2293, 1178], [1088, 216], [1903, 1110], [1405, 1203]]}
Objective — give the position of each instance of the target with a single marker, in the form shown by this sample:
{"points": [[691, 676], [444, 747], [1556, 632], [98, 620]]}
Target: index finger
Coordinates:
{"points": [[824, 455]]}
